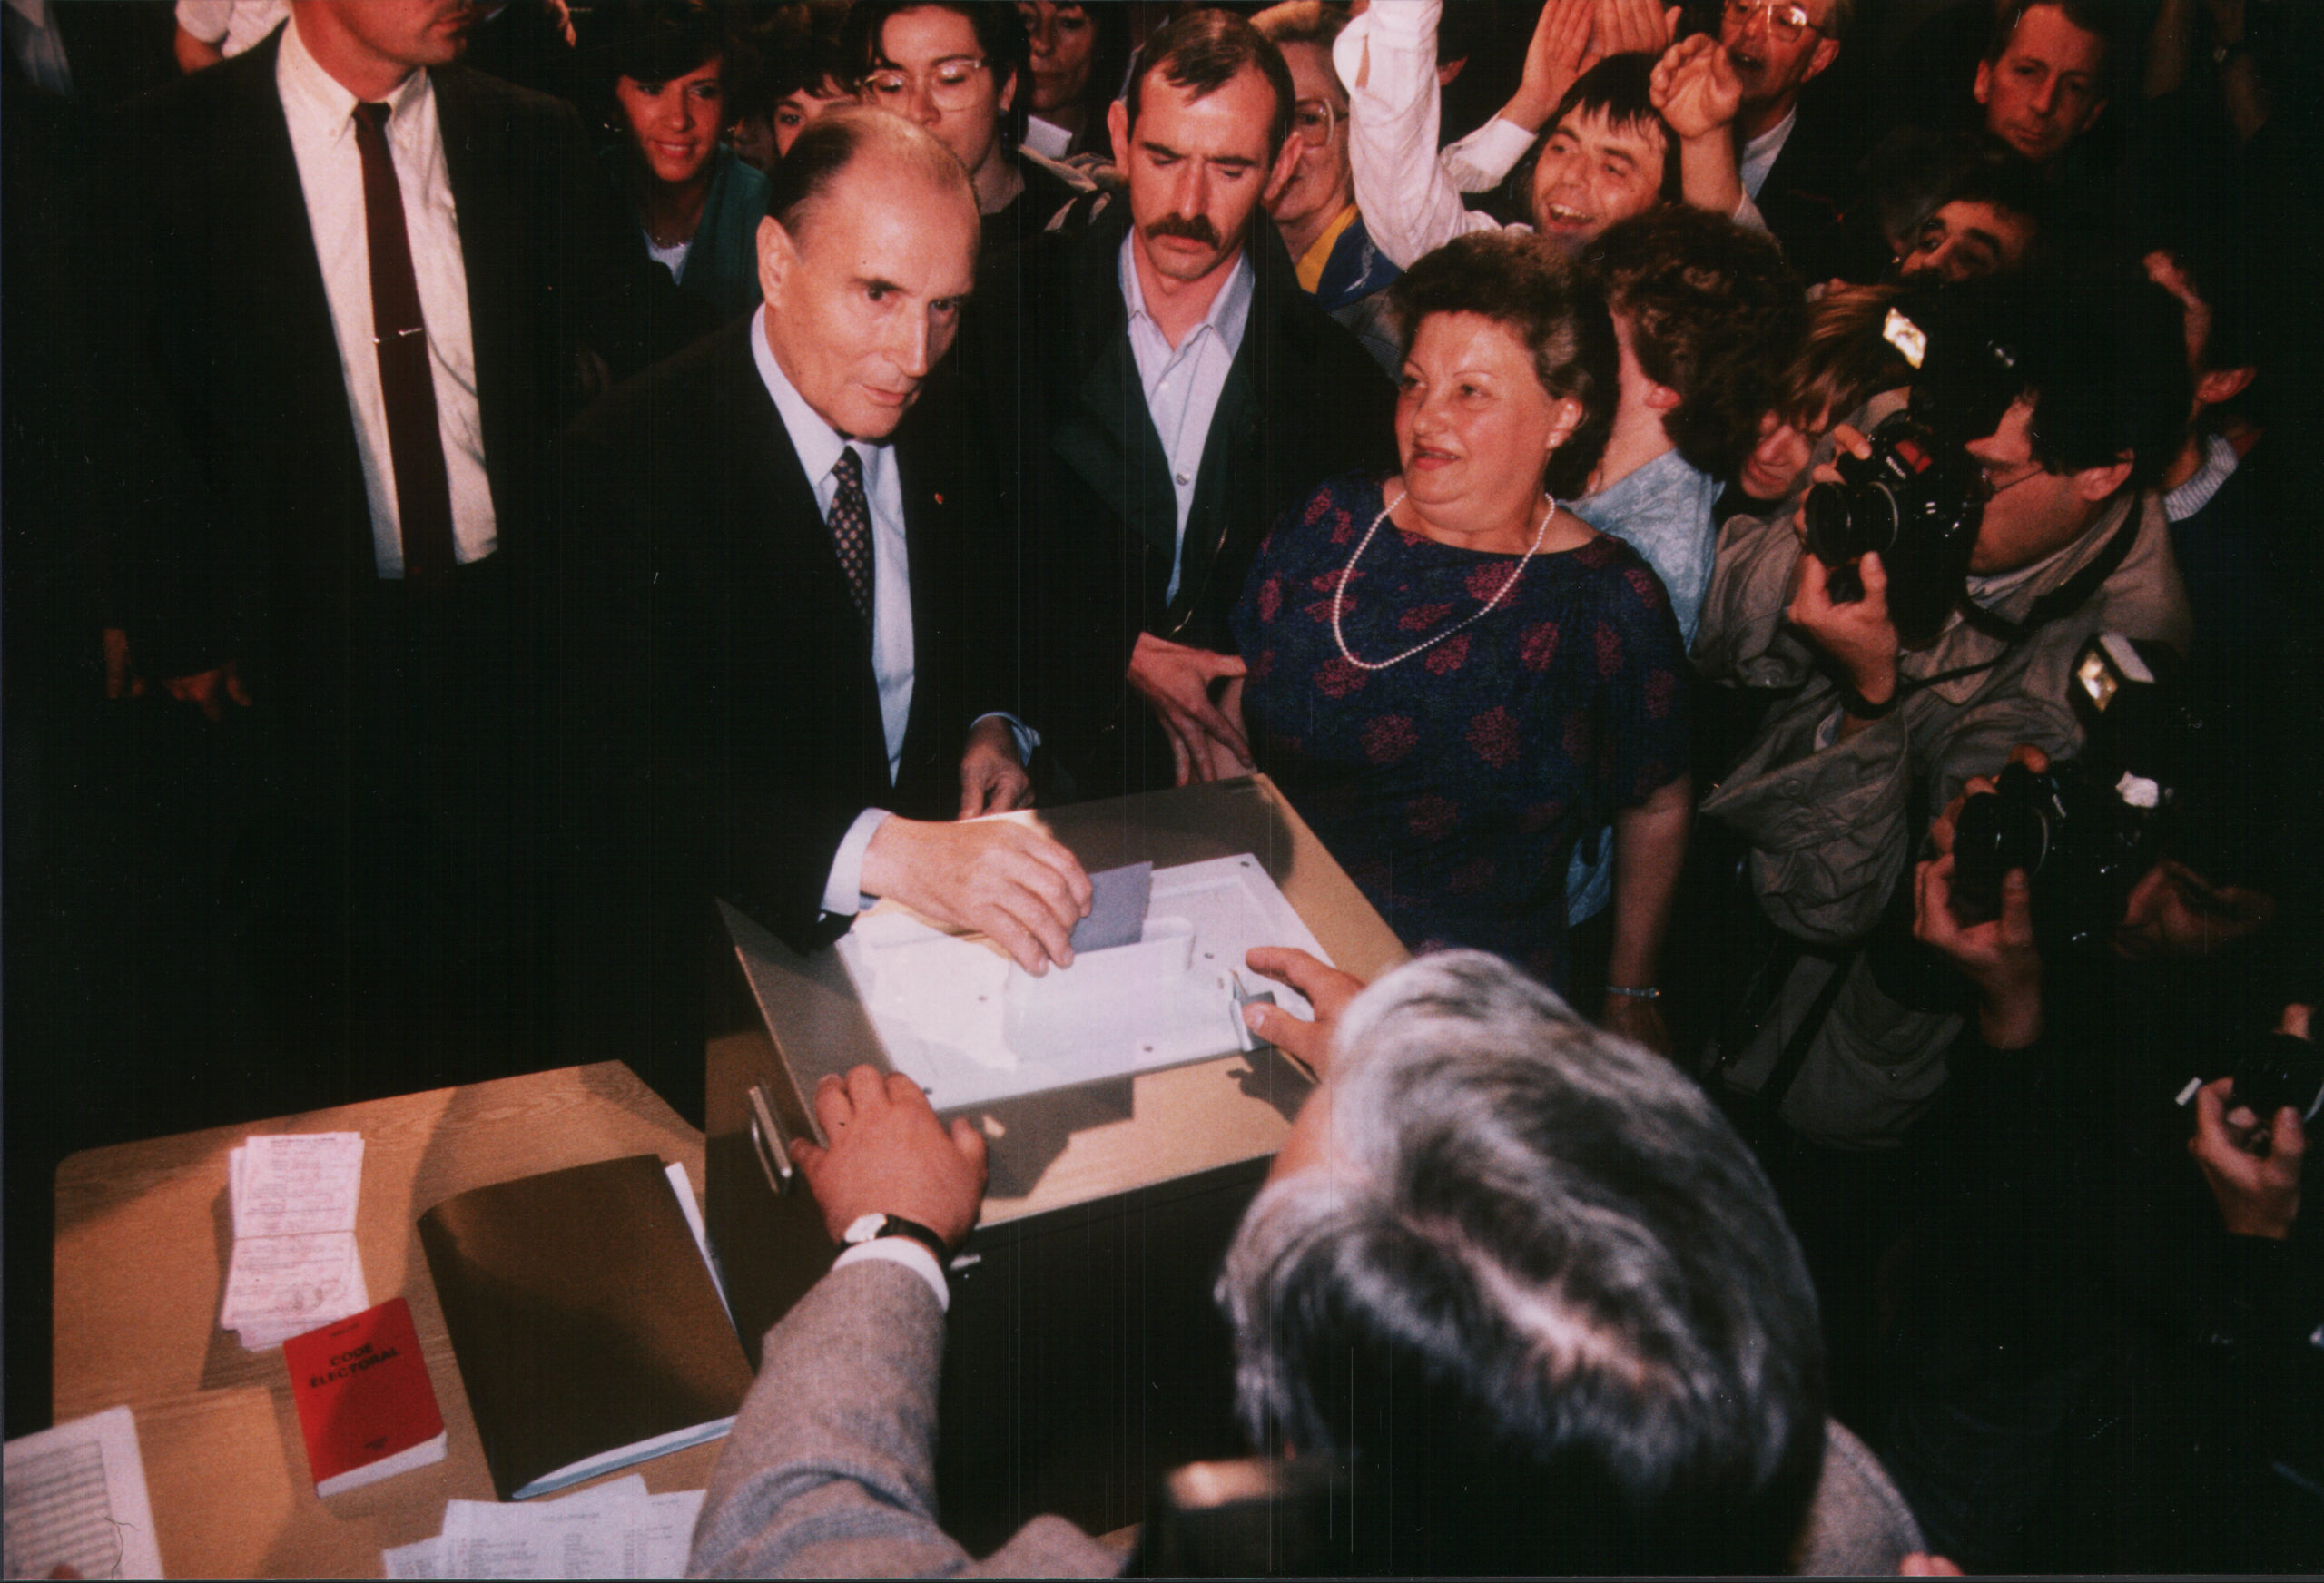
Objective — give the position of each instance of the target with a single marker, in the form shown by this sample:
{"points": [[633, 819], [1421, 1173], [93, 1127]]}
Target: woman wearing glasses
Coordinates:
{"points": [[698, 206], [1337, 262], [957, 70]]}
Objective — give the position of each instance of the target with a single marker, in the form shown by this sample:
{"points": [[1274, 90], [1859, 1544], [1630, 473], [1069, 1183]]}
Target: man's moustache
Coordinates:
{"points": [[1189, 227]]}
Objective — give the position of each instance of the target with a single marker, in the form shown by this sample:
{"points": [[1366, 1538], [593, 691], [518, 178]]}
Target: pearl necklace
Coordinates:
{"points": [[1502, 592]]}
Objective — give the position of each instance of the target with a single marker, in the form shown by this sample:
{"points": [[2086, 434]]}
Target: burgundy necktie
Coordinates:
{"points": [[415, 442], [851, 526]]}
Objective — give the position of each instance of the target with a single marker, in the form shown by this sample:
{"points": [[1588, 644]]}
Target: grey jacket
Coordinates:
{"points": [[1828, 824], [830, 1471]]}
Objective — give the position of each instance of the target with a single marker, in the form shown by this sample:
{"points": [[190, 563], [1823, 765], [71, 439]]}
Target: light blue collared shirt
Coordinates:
{"points": [[1183, 383], [1663, 511]]}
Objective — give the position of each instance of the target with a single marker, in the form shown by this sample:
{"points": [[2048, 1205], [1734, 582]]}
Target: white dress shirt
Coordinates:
{"points": [[1761, 152], [321, 117], [1412, 205], [819, 446], [1183, 383]]}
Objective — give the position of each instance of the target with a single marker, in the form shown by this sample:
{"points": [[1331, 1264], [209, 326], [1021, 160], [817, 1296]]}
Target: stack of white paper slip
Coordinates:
{"points": [[614, 1530], [295, 1263]]}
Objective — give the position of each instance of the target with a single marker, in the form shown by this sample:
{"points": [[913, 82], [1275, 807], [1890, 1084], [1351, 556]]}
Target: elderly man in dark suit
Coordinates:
{"points": [[360, 287], [1178, 391], [785, 676]]}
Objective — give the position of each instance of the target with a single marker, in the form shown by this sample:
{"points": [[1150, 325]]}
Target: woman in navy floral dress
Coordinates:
{"points": [[1453, 678]]}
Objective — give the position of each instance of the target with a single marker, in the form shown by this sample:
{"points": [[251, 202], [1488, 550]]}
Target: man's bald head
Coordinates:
{"points": [[826, 155]]}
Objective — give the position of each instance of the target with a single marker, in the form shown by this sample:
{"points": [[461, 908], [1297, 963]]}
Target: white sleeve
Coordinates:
{"points": [[911, 1255], [843, 888], [1410, 205], [1479, 161], [1747, 216], [206, 20]]}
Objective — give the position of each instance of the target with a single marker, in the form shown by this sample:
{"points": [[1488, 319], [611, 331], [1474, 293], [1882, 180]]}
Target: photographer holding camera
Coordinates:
{"points": [[2106, 1359], [1921, 614]]}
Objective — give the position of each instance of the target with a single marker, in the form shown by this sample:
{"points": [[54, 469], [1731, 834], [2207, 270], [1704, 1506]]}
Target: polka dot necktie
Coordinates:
{"points": [[851, 525]]}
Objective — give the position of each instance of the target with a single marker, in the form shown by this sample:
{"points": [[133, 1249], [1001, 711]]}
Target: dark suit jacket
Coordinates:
{"points": [[1095, 511], [723, 725], [1811, 187], [237, 511]]}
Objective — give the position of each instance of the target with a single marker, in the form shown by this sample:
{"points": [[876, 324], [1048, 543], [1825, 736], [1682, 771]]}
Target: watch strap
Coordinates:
{"points": [[896, 1225]]}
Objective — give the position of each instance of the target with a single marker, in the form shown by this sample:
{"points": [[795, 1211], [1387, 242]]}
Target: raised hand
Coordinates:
{"points": [[1559, 51], [1694, 87], [1635, 26], [2257, 1194], [1857, 635], [2000, 957]]}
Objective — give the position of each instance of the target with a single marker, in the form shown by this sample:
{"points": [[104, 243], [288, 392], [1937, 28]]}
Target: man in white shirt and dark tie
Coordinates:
{"points": [[783, 642], [359, 288]]}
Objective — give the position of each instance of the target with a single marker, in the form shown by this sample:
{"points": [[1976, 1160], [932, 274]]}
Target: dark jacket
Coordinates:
{"points": [[1083, 477], [234, 498], [719, 727]]}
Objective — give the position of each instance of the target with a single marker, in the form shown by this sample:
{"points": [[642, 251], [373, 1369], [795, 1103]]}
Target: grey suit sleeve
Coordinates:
{"points": [[831, 1469], [1858, 1526]]}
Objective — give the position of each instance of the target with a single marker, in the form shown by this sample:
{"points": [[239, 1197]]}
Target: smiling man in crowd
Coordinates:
{"points": [[1608, 153]]}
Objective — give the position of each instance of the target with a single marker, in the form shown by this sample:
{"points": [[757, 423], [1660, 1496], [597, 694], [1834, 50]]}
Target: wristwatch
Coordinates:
{"points": [[865, 1228]]}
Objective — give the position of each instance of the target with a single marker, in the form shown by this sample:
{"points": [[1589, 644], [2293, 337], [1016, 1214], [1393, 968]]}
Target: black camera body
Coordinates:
{"points": [[1920, 499], [2079, 846], [1915, 502], [2085, 832], [2277, 1069]]}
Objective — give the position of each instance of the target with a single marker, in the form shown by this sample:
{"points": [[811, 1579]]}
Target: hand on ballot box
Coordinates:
{"points": [[1327, 989], [998, 876], [889, 1155]]}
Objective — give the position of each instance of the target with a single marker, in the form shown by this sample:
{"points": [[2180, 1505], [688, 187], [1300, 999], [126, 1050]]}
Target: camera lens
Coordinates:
{"points": [[1832, 533]]}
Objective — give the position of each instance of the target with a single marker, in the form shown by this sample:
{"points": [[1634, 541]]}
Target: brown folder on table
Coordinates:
{"points": [[588, 1332]]}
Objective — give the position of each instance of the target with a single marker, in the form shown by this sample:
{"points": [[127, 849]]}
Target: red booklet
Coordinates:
{"points": [[365, 1402]]}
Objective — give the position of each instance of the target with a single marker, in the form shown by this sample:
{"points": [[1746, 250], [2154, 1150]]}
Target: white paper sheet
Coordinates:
{"points": [[679, 1184], [76, 1497], [281, 1286], [961, 1021], [615, 1531], [295, 1263], [296, 1183]]}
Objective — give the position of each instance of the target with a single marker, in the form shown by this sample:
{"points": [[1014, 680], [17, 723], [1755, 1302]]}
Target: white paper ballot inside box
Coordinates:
{"points": [[971, 1028]]}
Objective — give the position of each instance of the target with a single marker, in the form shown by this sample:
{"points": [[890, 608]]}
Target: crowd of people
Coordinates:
{"points": [[1770, 526]]}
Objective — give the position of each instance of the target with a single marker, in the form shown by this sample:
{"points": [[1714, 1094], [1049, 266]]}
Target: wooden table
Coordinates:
{"points": [[144, 1234], [1084, 1353]]}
